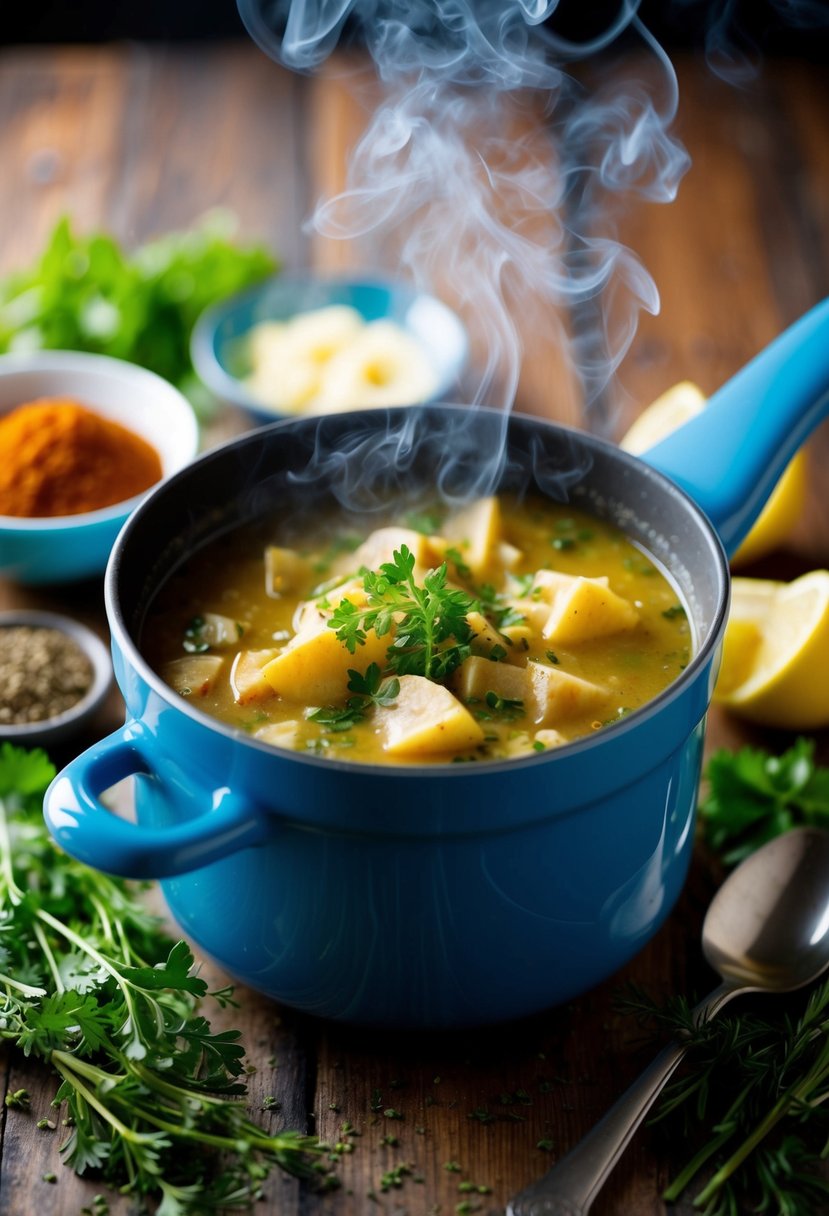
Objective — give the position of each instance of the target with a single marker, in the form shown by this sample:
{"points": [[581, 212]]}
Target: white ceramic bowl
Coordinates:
{"points": [[66, 548]]}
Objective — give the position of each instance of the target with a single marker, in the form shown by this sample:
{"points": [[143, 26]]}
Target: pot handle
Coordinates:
{"points": [[82, 825], [730, 457]]}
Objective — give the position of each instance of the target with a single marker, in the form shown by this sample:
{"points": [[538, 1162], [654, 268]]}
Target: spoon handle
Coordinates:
{"points": [[570, 1187]]}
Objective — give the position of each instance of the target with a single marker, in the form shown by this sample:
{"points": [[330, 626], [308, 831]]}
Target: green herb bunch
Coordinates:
{"points": [[753, 796], [91, 984], [432, 635], [87, 293], [752, 1101]]}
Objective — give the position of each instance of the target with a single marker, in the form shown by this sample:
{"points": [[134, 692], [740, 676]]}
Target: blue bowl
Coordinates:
{"points": [[66, 548], [218, 346]]}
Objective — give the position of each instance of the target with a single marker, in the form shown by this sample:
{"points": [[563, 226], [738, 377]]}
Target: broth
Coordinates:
{"points": [[537, 623]]}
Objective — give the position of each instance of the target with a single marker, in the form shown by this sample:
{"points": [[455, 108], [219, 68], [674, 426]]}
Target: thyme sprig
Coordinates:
{"points": [[91, 984], [753, 1094]]}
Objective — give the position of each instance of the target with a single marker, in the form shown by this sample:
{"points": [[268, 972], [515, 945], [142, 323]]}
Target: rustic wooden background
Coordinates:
{"points": [[142, 141]]}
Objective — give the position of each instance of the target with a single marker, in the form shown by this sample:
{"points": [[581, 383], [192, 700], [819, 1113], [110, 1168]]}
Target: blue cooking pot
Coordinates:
{"points": [[441, 895]]}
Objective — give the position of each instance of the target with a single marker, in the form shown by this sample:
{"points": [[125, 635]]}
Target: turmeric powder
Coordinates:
{"points": [[59, 458]]}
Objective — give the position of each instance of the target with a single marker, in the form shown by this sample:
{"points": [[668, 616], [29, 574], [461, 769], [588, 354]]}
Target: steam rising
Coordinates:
{"points": [[492, 175], [730, 48]]}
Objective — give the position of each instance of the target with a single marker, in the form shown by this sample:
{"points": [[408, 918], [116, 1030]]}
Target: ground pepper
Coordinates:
{"points": [[59, 458], [43, 673]]}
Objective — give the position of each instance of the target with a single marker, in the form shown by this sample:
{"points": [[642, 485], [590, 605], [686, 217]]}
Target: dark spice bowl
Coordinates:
{"points": [[439, 895], [58, 727]]}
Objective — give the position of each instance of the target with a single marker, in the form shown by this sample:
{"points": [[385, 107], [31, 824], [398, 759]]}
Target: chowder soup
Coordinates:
{"points": [[500, 630]]}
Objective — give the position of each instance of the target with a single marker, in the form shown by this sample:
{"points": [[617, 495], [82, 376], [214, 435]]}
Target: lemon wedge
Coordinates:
{"points": [[775, 667], [676, 407]]}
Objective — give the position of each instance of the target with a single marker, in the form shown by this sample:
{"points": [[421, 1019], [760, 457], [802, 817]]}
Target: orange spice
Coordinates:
{"points": [[59, 458]]}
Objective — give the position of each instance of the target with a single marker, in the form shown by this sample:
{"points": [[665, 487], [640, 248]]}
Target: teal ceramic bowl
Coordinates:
{"points": [[219, 347], [68, 548]]}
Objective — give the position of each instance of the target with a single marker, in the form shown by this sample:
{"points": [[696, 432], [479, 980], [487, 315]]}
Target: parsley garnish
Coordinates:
{"points": [[369, 691], [91, 984], [194, 639], [507, 708], [456, 558], [426, 522], [675, 610], [432, 635], [753, 796]]}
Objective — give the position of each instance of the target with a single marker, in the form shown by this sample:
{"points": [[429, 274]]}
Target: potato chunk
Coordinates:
{"points": [[554, 695], [534, 614], [286, 571], [549, 694], [380, 546], [508, 555], [280, 734], [313, 667], [312, 614], [247, 678], [214, 630], [550, 737], [425, 719], [476, 677], [194, 675], [588, 609], [487, 638], [476, 532]]}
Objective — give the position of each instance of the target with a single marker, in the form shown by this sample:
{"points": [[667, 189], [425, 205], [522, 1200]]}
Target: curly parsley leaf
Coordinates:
{"points": [[753, 796], [432, 634]]}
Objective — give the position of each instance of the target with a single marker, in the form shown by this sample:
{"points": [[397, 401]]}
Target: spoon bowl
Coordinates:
{"points": [[766, 930]]}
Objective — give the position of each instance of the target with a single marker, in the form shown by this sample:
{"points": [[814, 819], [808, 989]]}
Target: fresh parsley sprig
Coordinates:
{"points": [[91, 984], [369, 689], [432, 636], [753, 796], [85, 292]]}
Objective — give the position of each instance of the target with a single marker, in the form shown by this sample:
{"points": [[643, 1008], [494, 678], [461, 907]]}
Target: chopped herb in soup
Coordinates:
{"points": [[503, 629]]}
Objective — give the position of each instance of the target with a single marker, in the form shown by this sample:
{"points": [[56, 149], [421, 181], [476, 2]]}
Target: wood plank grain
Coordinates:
{"points": [[140, 141], [143, 142]]}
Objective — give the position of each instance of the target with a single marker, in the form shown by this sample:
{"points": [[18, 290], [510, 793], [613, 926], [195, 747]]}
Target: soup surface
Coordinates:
{"points": [[499, 630]]}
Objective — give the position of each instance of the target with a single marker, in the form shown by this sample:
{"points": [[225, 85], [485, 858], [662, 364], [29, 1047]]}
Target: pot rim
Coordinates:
{"points": [[631, 722]]}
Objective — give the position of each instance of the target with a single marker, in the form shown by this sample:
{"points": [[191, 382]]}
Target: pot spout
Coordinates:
{"points": [[730, 457]]}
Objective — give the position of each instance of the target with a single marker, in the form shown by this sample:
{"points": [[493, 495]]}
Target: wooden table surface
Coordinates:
{"points": [[142, 141]]}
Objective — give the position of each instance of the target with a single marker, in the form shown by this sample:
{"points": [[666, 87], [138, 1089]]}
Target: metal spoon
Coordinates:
{"points": [[767, 930]]}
